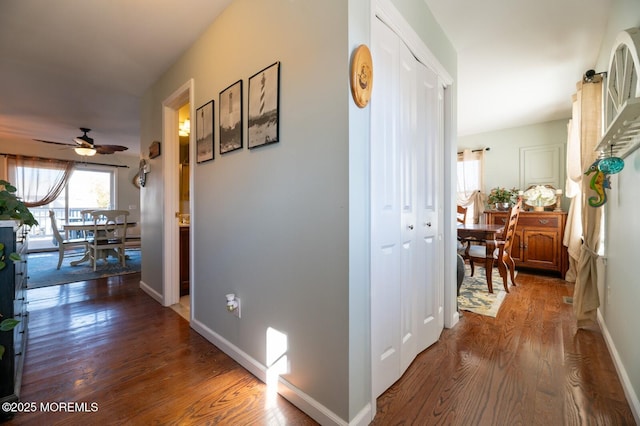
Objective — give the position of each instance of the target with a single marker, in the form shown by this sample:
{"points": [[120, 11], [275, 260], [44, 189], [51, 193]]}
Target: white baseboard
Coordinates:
{"points": [[151, 292], [632, 397], [297, 397]]}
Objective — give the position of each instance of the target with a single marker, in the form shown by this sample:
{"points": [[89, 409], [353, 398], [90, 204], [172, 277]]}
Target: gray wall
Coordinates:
{"points": [[619, 302], [284, 226]]}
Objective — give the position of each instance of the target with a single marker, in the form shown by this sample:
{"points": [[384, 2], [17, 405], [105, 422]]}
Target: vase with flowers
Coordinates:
{"points": [[501, 198], [539, 197]]}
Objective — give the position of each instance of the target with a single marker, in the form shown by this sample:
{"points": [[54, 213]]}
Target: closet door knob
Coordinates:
{"points": [[428, 224], [410, 227]]}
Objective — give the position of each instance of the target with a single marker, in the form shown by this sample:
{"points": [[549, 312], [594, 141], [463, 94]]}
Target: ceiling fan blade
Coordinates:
{"points": [[54, 143], [109, 149]]}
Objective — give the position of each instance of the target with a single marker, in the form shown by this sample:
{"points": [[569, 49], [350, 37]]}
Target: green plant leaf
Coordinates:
{"points": [[1, 246], [15, 257], [8, 324], [1, 351], [2, 264]]}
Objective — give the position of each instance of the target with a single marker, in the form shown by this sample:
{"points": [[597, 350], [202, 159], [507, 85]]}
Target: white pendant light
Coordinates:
{"points": [[87, 152]]}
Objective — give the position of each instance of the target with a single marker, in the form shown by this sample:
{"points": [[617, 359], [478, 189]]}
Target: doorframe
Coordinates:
{"points": [[170, 154], [389, 15]]}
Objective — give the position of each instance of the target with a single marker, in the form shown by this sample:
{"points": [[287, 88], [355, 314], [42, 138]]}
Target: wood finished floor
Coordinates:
{"points": [[106, 341]]}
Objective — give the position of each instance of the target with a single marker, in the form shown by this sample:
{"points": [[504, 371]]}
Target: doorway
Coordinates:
{"points": [[178, 179]]}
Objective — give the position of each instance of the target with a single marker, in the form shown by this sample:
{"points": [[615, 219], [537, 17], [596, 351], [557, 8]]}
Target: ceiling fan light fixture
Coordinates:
{"points": [[86, 152]]}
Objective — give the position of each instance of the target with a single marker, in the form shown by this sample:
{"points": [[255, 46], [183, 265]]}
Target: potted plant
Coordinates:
{"points": [[501, 198], [11, 208]]}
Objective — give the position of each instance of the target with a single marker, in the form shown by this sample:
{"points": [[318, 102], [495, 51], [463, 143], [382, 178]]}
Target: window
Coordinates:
{"points": [[90, 187], [470, 174]]}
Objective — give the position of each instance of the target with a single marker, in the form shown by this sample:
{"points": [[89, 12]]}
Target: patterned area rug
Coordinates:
{"points": [[475, 296], [43, 272]]}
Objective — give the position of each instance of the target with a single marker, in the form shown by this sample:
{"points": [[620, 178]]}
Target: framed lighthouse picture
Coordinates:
{"points": [[264, 113]]}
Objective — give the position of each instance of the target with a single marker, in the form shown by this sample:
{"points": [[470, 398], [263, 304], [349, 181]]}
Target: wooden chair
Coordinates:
{"points": [[64, 245], [109, 235], [462, 214], [461, 217], [502, 253]]}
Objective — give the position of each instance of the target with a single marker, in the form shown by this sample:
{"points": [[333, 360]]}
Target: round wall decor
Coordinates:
{"points": [[361, 75]]}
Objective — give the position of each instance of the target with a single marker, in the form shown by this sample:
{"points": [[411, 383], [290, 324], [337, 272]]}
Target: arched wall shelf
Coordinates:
{"points": [[622, 98]]}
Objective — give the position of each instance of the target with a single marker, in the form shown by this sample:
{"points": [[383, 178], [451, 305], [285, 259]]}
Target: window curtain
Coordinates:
{"points": [[583, 230], [470, 182], [38, 181]]}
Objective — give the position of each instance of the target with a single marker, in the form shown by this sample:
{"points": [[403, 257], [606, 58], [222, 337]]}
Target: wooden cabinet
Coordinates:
{"points": [[184, 260], [538, 240], [13, 291]]}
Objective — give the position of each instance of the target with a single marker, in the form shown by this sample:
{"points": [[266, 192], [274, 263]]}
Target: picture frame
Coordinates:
{"points": [[230, 118], [204, 132], [263, 123]]}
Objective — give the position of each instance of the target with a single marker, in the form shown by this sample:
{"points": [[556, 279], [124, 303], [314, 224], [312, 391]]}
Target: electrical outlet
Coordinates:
{"points": [[236, 312]]}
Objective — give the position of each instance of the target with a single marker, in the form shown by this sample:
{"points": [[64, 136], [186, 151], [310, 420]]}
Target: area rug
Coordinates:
{"points": [[43, 272], [474, 293]]}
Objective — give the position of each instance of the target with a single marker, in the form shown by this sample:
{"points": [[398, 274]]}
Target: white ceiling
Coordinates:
{"points": [[67, 64], [519, 60]]}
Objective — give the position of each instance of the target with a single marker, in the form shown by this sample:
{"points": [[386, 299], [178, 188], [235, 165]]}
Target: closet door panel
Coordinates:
{"points": [[386, 241], [429, 294], [408, 187]]}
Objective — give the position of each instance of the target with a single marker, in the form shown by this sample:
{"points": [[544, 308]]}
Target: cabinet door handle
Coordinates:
{"points": [[543, 221], [410, 227], [428, 224], [503, 219]]}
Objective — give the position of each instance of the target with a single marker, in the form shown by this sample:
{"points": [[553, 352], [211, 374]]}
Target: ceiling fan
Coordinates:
{"points": [[85, 146]]}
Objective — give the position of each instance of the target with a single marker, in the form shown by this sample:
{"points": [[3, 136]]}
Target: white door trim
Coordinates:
{"points": [[170, 155]]}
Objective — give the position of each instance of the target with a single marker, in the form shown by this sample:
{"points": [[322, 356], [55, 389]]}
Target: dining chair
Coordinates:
{"points": [[462, 214], [502, 253], [109, 235], [65, 244], [461, 217]]}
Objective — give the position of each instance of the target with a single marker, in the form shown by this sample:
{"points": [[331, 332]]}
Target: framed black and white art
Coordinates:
{"points": [[264, 113], [204, 133], [230, 118]]}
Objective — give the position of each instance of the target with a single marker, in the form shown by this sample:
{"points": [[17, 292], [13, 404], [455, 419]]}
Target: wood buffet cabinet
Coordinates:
{"points": [[538, 239]]}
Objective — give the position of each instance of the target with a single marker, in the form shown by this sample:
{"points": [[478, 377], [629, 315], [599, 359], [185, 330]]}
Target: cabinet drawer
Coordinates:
{"points": [[538, 221]]}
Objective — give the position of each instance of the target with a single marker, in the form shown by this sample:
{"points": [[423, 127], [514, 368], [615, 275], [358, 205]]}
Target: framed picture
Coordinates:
{"points": [[230, 117], [204, 132], [264, 100]]}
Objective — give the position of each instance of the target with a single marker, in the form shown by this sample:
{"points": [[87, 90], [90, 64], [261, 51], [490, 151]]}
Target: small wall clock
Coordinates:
{"points": [[361, 76]]}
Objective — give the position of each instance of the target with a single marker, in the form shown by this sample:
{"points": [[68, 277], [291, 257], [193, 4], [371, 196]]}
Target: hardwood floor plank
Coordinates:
{"points": [[529, 365], [107, 342]]}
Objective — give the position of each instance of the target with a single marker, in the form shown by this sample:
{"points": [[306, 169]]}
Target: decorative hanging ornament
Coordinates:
{"points": [[611, 165]]}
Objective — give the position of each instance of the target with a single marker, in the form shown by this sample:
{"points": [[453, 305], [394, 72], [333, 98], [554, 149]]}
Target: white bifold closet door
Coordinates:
{"points": [[406, 208]]}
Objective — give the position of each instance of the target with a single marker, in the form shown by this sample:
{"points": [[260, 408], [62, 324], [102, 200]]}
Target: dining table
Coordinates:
{"points": [[83, 228], [485, 233]]}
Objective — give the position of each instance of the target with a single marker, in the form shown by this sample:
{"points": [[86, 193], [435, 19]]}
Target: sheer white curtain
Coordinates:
{"points": [[470, 182], [38, 181]]}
